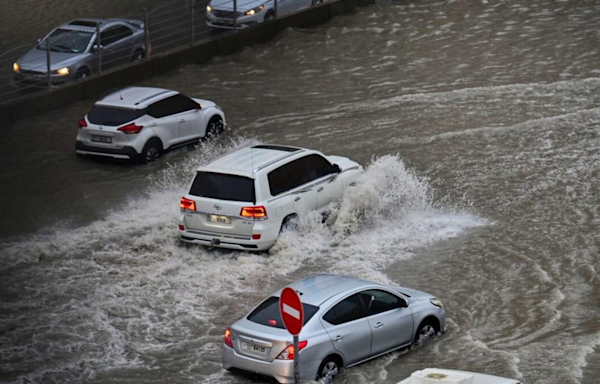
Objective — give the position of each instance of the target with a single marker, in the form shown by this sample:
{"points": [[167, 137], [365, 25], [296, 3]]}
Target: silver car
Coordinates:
{"points": [[220, 13], [346, 322], [74, 50]]}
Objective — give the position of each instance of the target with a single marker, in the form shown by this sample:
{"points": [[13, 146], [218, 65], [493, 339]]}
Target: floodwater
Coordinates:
{"points": [[478, 123]]}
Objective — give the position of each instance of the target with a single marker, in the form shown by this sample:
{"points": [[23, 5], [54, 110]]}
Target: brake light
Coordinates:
{"points": [[82, 123], [227, 340], [288, 352], [130, 129], [181, 227], [187, 204], [257, 213], [255, 236]]}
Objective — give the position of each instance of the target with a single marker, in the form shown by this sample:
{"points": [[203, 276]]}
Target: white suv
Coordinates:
{"points": [[243, 199], [140, 123]]}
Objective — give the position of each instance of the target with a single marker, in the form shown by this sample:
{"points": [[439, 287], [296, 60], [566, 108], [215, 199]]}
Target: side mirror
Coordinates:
{"points": [[336, 168], [95, 47], [39, 40]]}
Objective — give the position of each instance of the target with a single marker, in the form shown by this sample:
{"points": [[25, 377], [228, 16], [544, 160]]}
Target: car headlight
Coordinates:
{"points": [[16, 67], [208, 8], [436, 302], [254, 10], [63, 71]]}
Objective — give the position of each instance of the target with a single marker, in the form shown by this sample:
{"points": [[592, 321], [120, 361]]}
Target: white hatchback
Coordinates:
{"points": [[140, 123], [243, 200]]}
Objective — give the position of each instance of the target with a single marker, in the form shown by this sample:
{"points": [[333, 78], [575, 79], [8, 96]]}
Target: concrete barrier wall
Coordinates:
{"points": [[201, 52]]}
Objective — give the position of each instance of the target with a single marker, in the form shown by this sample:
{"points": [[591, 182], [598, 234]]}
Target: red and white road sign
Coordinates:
{"points": [[292, 312]]}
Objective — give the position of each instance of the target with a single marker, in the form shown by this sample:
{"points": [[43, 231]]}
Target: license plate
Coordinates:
{"points": [[254, 348], [218, 219], [102, 139]]}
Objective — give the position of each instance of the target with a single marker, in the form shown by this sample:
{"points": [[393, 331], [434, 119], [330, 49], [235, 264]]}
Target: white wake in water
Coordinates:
{"points": [[123, 296]]}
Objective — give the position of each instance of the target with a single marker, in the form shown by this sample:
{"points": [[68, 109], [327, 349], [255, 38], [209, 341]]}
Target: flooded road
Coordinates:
{"points": [[478, 124]]}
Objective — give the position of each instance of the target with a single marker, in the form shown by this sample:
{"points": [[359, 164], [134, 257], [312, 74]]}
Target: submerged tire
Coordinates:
{"points": [[215, 126], [152, 151], [328, 369], [427, 329]]}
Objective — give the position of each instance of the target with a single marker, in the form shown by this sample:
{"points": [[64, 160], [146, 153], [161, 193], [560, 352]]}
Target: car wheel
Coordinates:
{"points": [[215, 126], [329, 368], [138, 55], [270, 15], [82, 74], [290, 223], [152, 151], [426, 331]]}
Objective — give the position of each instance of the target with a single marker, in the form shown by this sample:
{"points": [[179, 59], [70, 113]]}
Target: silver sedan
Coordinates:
{"points": [[72, 50], [346, 322]]}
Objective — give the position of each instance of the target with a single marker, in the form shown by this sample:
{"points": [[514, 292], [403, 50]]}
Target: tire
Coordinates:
{"points": [[427, 329], [152, 151], [270, 15], [138, 55], [289, 223], [328, 369], [215, 126], [82, 74]]}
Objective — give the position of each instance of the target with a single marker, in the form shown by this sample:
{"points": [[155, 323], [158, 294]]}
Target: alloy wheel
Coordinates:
{"points": [[329, 371], [426, 332], [152, 154]]}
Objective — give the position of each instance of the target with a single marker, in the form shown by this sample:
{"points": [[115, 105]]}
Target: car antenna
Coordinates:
{"points": [[120, 95]]}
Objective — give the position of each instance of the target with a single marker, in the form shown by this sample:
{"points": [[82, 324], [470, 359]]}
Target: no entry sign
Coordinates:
{"points": [[291, 311]]}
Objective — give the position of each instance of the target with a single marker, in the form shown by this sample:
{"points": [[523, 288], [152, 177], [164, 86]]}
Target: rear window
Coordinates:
{"points": [[268, 313], [223, 187], [112, 116]]}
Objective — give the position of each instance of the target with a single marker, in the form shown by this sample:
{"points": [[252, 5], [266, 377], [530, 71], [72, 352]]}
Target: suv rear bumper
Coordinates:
{"points": [[117, 153], [224, 241]]}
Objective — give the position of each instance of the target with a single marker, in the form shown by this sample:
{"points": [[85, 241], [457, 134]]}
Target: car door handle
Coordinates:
{"points": [[319, 189], [182, 121], [338, 338], [297, 198], [379, 324]]}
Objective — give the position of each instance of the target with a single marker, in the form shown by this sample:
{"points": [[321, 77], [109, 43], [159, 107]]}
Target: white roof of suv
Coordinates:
{"points": [[247, 161], [135, 97]]}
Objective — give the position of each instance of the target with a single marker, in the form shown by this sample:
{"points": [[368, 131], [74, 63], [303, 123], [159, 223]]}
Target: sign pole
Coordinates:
{"points": [[296, 361], [292, 314]]}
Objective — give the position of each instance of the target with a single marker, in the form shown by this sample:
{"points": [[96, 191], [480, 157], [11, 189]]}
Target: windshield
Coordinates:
{"points": [[64, 40]]}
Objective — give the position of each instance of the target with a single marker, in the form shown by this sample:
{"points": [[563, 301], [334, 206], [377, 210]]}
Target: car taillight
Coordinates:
{"points": [[257, 213], [288, 352], [187, 204], [227, 339], [130, 129], [82, 123]]}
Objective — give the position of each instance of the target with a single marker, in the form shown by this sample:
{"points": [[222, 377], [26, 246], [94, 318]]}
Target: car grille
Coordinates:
{"points": [[225, 14], [33, 73]]}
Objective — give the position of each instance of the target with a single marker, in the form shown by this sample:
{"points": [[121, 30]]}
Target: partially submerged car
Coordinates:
{"points": [[346, 321], [244, 199], [448, 376], [141, 123], [74, 49]]}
